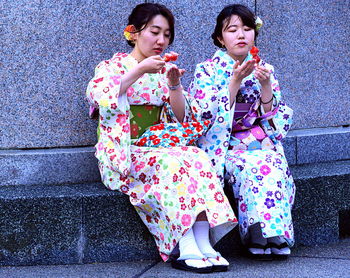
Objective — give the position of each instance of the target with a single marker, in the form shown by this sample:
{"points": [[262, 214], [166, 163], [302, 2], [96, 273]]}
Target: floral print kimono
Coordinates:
{"points": [[247, 151], [167, 182]]}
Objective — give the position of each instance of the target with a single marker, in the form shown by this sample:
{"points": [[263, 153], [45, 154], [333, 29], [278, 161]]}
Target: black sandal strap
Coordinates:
{"points": [[257, 245], [278, 246]]}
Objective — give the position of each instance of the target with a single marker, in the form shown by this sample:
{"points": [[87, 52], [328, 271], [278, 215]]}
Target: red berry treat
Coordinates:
{"points": [[254, 51], [170, 57]]}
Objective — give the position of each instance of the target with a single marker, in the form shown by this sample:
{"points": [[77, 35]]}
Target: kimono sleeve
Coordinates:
{"points": [[113, 147], [282, 119], [103, 89]]}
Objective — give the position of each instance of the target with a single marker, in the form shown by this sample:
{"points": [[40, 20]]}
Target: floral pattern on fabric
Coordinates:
{"points": [[175, 134], [168, 186], [260, 178]]}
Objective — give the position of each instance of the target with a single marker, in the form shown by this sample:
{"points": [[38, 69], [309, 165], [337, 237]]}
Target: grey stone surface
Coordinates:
{"points": [[326, 144], [48, 54], [39, 226], [290, 149], [195, 22], [245, 268], [312, 262], [48, 166], [106, 270], [114, 231], [307, 42]]}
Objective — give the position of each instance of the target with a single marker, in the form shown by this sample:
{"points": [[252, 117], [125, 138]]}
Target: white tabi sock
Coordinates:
{"points": [[188, 248], [201, 234], [279, 251]]}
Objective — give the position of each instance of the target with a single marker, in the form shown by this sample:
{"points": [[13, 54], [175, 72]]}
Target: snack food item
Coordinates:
{"points": [[172, 56], [254, 51]]}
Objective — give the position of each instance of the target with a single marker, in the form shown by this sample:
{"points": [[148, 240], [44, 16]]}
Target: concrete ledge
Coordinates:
{"points": [[48, 166], [78, 165], [87, 223]]}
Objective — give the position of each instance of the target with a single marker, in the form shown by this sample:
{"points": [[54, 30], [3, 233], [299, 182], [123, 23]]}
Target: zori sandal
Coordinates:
{"points": [[219, 263], [187, 262], [259, 252], [279, 251]]}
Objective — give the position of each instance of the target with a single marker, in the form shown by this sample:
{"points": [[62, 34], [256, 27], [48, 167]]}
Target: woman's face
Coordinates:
{"points": [[153, 39], [237, 38]]}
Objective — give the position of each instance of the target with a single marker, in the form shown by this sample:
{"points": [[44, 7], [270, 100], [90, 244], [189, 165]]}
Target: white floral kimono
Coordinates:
{"points": [[247, 151], [168, 186]]}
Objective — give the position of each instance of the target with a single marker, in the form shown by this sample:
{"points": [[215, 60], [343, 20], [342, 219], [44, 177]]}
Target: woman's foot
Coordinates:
{"points": [[191, 258], [201, 234], [279, 247], [258, 247]]}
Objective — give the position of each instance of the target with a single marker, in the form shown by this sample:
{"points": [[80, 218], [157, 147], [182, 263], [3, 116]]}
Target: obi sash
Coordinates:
{"points": [[142, 117]]}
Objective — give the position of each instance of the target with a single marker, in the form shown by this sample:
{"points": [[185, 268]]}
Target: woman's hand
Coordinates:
{"points": [[239, 73], [242, 71], [174, 74], [152, 64], [263, 75]]}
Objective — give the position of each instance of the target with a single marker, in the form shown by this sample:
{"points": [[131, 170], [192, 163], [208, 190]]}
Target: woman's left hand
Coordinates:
{"points": [[174, 74], [263, 75]]}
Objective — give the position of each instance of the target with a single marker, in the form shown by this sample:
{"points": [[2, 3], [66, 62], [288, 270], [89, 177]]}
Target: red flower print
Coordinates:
{"points": [[209, 175], [166, 135], [202, 173], [152, 160], [175, 139], [215, 215], [121, 119], [188, 131], [201, 201], [126, 128], [124, 188], [182, 199], [186, 220], [109, 129], [185, 125], [133, 195], [142, 177], [175, 178], [187, 164], [111, 151], [152, 137], [156, 220], [161, 236], [219, 197], [167, 218], [193, 202], [156, 141], [182, 170], [142, 142], [149, 107], [148, 219], [199, 128], [113, 105], [153, 128], [183, 206], [172, 144], [135, 130]]}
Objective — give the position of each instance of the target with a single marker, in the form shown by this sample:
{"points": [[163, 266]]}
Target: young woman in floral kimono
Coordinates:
{"points": [[242, 99], [171, 184]]}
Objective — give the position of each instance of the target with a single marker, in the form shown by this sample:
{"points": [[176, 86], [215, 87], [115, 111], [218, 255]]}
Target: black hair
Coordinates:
{"points": [[143, 13], [246, 15]]}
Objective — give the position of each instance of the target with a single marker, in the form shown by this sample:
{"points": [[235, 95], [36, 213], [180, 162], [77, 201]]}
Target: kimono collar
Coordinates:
{"points": [[224, 60]]}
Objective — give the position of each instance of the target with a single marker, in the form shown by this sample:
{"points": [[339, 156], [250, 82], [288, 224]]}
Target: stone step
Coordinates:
{"points": [[86, 223]]}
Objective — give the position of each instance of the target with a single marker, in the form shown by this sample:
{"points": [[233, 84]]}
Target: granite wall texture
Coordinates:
{"points": [[49, 50]]}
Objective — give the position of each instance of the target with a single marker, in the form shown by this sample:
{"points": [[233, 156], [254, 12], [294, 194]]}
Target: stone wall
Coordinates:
{"points": [[49, 50]]}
